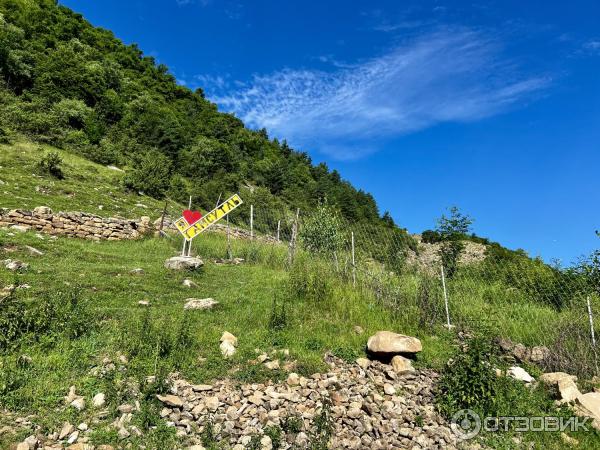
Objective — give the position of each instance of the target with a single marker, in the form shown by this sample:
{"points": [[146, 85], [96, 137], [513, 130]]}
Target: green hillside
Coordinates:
{"points": [[77, 87]]}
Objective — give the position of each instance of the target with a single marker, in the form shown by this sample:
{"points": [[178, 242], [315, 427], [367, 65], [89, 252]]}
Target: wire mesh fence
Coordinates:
{"points": [[506, 294]]}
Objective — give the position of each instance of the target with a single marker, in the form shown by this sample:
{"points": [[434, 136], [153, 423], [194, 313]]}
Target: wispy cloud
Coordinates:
{"points": [[448, 75], [592, 46]]}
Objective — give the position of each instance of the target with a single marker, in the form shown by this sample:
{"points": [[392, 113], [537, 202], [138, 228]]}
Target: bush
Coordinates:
{"points": [[469, 381], [5, 137], [430, 237], [151, 174], [310, 280], [321, 232], [50, 164]]}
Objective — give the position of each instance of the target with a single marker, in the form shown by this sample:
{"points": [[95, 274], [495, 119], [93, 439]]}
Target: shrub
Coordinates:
{"points": [[151, 174], [5, 137], [50, 164], [321, 232], [310, 280], [430, 237], [469, 381]]}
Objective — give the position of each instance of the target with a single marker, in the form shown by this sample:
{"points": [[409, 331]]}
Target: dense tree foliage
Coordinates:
{"points": [[77, 87]]}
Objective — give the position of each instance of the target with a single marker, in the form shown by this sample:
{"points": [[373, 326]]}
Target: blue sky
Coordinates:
{"points": [[493, 106]]}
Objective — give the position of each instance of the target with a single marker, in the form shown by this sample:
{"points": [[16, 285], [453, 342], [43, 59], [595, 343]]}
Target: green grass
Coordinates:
{"points": [[317, 309], [86, 186]]}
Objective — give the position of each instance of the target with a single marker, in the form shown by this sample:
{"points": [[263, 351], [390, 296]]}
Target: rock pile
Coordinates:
{"points": [[74, 224], [371, 407]]}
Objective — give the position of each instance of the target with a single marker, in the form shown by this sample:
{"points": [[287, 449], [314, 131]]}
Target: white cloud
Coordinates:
{"points": [[592, 46], [448, 75]]}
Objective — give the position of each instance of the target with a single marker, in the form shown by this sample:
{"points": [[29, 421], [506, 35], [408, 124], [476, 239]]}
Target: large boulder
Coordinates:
{"points": [[589, 405], [388, 344], [183, 263]]}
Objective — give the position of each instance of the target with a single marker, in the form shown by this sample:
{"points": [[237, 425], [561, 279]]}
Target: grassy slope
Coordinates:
{"points": [[86, 185], [100, 273]]}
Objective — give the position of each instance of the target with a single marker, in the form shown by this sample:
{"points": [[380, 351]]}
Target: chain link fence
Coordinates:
{"points": [[504, 293]]}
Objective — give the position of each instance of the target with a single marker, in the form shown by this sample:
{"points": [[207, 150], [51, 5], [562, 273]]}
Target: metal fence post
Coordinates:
{"points": [[445, 298], [251, 221], [353, 262], [278, 229], [589, 308]]}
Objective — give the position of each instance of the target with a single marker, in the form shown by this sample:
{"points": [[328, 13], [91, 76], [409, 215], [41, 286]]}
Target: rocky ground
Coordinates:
{"points": [[366, 404]]}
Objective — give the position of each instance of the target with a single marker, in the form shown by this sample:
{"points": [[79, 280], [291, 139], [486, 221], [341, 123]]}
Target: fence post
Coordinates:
{"points": [[162, 219], [445, 299], [353, 263], [183, 253], [292, 246], [589, 308], [229, 252], [278, 229], [251, 221]]}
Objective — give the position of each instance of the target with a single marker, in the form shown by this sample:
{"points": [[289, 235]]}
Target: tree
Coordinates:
{"points": [[452, 230], [151, 174], [321, 232]]}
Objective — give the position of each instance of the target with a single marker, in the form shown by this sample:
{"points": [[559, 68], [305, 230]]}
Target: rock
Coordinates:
{"points": [[82, 426], [143, 303], [200, 303], [400, 364], [34, 251], [171, 400], [123, 433], [389, 389], [552, 378], [363, 362], [293, 379], [589, 405], [78, 404], [539, 354], [44, 210], [227, 349], [358, 329], [212, 403], [22, 446], [567, 390], [272, 365], [266, 442], [183, 263], [20, 228], [189, 283], [387, 343], [572, 442], [137, 271], [15, 265], [66, 430], [228, 337], [518, 373], [73, 437]]}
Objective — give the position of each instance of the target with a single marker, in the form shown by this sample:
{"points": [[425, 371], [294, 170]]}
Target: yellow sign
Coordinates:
{"points": [[181, 224], [190, 232]]}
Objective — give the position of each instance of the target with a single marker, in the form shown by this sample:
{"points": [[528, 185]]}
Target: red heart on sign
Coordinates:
{"points": [[192, 216]]}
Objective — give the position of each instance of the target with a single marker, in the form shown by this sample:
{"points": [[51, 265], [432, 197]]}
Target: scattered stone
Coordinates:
{"points": [[228, 344], [200, 303], [400, 364], [115, 168], [589, 405], [73, 437], [189, 283], [387, 343], [389, 389], [518, 373], [171, 400], [144, 303], [358, 329], [272, 365], [15, 265], [123, 433], [66, 430], [33, 251], [183, 263], [42, 210], [212, 403], [78, 404], [571, 441], [137, 271]]}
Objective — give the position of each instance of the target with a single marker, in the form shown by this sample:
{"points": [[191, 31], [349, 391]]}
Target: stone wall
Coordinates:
{"points": [[75, 224]]}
